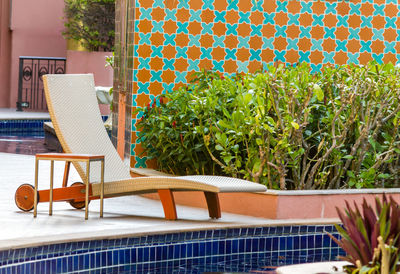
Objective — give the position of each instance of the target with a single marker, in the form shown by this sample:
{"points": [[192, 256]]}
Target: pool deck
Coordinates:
{"points": [[12, 113], [123, 216]]}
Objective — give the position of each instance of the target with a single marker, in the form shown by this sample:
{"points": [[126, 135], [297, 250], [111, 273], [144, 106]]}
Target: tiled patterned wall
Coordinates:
{"points": [[174, 38]]}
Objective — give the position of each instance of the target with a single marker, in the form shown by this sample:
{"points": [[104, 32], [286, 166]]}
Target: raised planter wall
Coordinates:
{"points": [[272, 204]]}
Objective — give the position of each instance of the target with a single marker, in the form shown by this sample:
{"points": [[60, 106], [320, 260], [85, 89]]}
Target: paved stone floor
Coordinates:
{"points": [[129, 215]]}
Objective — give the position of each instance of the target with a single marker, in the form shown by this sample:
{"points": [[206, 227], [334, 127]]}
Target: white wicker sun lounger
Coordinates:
{"points": [[75, 114]]}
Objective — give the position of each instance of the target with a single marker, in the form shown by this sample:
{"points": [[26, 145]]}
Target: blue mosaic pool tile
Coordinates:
{"points": [[189, 248]]}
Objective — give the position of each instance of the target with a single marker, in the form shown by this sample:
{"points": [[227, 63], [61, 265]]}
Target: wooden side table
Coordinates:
{"points": [[68, 157]]}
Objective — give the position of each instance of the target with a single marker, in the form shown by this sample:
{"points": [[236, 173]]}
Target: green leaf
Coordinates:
{"points": [[348, 157], [219, 147], [295, 125], [318, 91]]}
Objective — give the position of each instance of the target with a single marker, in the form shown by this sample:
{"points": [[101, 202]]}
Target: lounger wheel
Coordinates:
{"points": [[75, 204], [24, 197]]}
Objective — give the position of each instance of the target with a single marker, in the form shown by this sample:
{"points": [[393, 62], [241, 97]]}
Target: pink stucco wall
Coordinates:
{"points": [[5, 53], [36, 31]]}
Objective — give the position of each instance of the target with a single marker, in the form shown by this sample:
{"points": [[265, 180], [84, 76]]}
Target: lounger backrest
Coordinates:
{"points": [[76, 117]]}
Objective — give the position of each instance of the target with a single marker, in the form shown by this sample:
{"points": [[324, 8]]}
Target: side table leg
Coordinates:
{"points": [[51, 187], [35, 200], [102, 189], [87, 190]]}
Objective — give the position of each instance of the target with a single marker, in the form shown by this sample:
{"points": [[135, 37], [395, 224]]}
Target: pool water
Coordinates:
{"points": [[28, 145], [22, 136]]}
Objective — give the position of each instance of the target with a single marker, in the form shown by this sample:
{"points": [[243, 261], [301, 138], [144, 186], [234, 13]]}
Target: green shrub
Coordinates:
{"points": [[91, 22], [286, 127]]}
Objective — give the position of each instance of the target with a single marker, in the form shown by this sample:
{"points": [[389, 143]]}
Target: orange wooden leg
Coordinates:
{"points": [[214, 210], [168, 202], [66, 173]]}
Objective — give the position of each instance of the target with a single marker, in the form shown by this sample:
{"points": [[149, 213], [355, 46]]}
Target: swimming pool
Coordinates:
{"points": [[220, 250]]}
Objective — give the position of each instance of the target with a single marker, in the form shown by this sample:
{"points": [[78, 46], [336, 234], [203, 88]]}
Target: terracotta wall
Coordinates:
{"points": [[174, 38], [36, 31]]}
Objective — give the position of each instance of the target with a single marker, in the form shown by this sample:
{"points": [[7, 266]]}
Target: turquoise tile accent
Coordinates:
{"points": [[171, 15], [182, 27], [232, 5], [343, 21], [379, 10], [157, 26], [330, 33], [390, 22], [328, 57], [315, 68], [293, 19], [183, 4], [292, 44], [269, 18], [354, 33], [378, 57], [230, 54], [318, 20], [195, 15], [134, 97], [316, 44], [219, 41], [306, 7], [194, 40], [256, 30], [305, 32], [242, 66], [144, 63], [281, 6], [180, 76], [208, 4], [231, 29], [181, 52], [281, 31], [353, 58], [257, 5], [243, 42], [268, 43], [255, 55], [365, 46], [140, 162], [193, 65], [169, 64], [155, 76], [167, 87], [145, 14], [143, 88], [218, 65], [378, 34], [366, 22], [330, 8], [280, 56], [304, 56], [207, 28], [244, 17], [220, 16], [169, 39], [206, 53], [144, 38], [341, 45], [355, 9], [390, 47], [158, 3], [156, 51]]}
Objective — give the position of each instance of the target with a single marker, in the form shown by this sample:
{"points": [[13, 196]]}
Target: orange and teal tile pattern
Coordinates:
{"points": [[174, 38]]}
